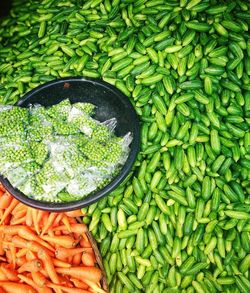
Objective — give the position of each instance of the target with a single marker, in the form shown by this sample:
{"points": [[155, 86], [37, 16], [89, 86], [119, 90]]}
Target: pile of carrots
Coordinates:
{"points": [[44, 252]]}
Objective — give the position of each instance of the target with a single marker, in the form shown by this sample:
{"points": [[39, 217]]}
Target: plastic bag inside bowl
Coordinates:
{"points": [[61, 153]]}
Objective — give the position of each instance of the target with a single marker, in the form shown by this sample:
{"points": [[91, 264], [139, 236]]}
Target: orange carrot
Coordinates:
{"points": [[30, 255], [39, 279], [66, 222], [31, 266], [29, 221], [1, 245], [79, 284], [29, 245], [5, 200], [3, 277], [75, 228], [82, 273], [65, 281], [74, 214], [9, 273], [61, 264], [94, 286], [29, 281], [85, 243], [68, 290], [44, 272], [49, 222], [9, 209], [40, 214], [19, 207], [11, 230], [13, 254], [57, 220], [77, 259], [57, 233], [64, 240], [22, 252], [8, 256], [12, 287], [18, 221], [19, 214], [34, 214], [20, 260], [48, 264], [63, 253], [27, 234], [88, 259]]}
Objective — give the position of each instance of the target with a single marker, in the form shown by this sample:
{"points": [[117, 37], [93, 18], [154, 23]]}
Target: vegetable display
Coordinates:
{"points": [[180, 222], [60, 153], [44, 252]]}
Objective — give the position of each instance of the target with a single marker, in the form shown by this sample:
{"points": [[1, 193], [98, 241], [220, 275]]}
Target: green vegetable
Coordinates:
{"points": [[185, 67], [59, 153]]}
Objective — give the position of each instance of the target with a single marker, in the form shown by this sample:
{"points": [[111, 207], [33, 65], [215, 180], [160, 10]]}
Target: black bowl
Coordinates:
{"points": [[110, 102]]}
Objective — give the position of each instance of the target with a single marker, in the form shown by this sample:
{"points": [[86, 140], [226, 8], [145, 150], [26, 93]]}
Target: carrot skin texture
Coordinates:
{"points": [[12, 287], [82, 273], [48, 264]]}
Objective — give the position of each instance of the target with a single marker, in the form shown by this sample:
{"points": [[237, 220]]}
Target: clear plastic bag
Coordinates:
{"points": [[60, 153], [19, 175]]}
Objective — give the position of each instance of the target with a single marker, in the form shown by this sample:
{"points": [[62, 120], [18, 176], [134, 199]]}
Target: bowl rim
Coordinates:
{"points": [[117, 180]]}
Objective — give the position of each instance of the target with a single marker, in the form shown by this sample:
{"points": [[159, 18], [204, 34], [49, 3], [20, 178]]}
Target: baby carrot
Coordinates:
{"points": [[29, 220], [27, 234], [2, 252], [19, 207], [34, 214], [29, 245], [30, 255], [79, 284], [20, 260], [39, 279], [31, 266], [3, 277], [73, 214], [9, 273], [88, 259], [40, 215], [77, 259], [9, 209], [57, 220], [49, 222], [13, 254], [29, 281], [82, 273], [22, 252], [94, 286], [5, 200], [59, 263], [18, 221], [11, 230], [12, 287], [64, 240], [66, 222], [63, 253], [68, 290], [48, 264], [75, 228]]}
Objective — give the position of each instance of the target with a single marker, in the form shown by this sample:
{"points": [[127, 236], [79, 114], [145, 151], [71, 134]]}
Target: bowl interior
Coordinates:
{"points": [[110, 103]]}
